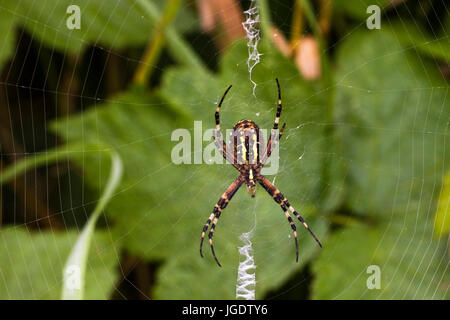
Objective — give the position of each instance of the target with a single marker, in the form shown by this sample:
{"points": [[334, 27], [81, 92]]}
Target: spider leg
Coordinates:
{"points": [[300, 218], [221, 204], [221, 146], [218, 140], [284, 204], [279, 107], [271, 145], [278, 197]]}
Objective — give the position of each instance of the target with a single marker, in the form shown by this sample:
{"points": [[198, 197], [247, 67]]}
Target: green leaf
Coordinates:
{"points": [[413, 38], [113, 24], [412, 264], [32, 264], [442, 219], [7, 23], [391, 124], [392, 121], [357, 9], [161, 207]]}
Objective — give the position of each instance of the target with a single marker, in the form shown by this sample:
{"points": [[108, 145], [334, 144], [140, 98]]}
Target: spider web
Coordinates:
{"points": [[68, 194]]}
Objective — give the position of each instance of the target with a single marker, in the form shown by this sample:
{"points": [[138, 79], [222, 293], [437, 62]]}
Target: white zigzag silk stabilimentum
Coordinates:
{"points": [[246, 279], [251, 27]]}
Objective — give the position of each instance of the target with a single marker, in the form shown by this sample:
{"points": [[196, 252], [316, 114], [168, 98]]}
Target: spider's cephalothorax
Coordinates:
{"points": [[248, 158]]}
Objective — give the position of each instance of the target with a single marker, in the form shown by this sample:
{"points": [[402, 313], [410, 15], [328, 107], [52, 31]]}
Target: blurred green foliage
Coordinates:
{"points": [[32, 264], [442, 221], [370, 149], [111, 24]]}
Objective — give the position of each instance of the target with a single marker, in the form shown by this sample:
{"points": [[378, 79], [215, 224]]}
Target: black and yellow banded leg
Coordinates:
{"points": [[279, 107], [300, 218], [284, 203], [218, 139], [294, 229], [217, 116], [272, 142], [210, 236], [278, 197], [205, 228], [221, 204], [222, 147]]}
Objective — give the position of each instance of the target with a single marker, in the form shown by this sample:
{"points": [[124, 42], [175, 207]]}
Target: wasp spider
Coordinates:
{"points": [[247, 159]]}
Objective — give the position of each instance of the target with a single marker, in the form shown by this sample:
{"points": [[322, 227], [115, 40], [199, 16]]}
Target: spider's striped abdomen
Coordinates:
{"points": [[246, 141]]}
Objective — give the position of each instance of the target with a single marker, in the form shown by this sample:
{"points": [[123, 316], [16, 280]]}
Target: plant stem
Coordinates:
{"points": [[309, 13], [156, 43], [297, 24], [325, 15], [327, 80], [178, 47]]}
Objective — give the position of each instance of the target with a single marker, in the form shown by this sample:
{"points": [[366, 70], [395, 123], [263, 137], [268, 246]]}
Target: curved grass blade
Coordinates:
{"points": [[75, 267]]}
